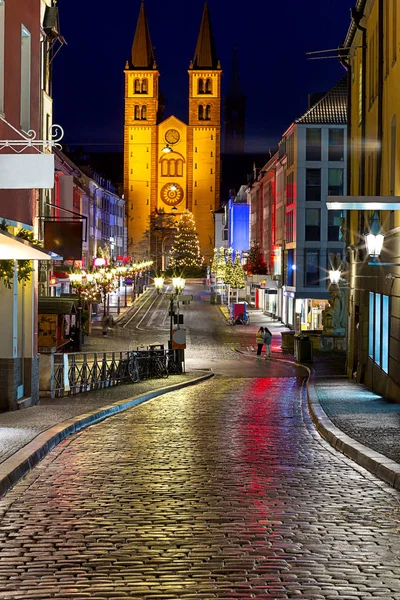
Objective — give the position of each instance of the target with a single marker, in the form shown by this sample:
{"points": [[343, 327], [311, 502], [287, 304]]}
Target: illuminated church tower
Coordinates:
{"points": [[170, 166]]}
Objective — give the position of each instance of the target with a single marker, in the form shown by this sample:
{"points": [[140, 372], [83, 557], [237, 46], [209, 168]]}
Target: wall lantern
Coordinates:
{"points": [[374, 239]]}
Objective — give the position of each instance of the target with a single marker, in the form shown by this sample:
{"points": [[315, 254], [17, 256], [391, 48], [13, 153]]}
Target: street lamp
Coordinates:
{"points": [[76, 281], [159, 284], [374, 243], [374, 239]]}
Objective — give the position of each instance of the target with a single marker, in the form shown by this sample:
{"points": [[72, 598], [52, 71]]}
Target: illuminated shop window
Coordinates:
{"points": [[379, 330]]}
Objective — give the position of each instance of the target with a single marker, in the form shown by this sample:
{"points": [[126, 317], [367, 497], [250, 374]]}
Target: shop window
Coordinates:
{"points": [[313, 225], [313, 185], [335, 182], [311, 271], [200, 86], [208, 89], [336, 144], [334, 224], [378, 330], [313, 144]]}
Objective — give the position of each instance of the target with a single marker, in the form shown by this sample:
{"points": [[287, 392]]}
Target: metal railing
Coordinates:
{"points": [[79, 372]]}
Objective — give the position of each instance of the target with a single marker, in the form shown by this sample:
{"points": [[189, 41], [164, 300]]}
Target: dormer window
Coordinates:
{"points": [[208, 89], [200, 86]]}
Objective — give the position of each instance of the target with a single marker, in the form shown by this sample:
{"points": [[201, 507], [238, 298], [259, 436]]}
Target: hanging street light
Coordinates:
{"points": [[374, 239]]}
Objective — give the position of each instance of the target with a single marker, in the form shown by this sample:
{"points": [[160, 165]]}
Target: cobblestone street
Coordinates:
{"points": [[222, 490]]}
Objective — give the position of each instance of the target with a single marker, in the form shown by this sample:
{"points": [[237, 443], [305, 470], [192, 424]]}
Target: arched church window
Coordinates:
{"points": [[208, 86], [144, 113], [179, 168], [208, 112], [200, 86], [201, 112], [171, 167], [164, 168], [137, 86], [145, 86], [137, 112]]}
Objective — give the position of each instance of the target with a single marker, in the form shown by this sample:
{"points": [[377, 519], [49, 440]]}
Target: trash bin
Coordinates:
{"points": [[303, 348], [288, 341]]}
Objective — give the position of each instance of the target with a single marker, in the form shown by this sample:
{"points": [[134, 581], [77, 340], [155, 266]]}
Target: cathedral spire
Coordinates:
{"points": [[142, 56], [205, 56]]}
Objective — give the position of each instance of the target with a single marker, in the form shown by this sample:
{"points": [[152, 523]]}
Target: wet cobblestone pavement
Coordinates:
{"points": [[223, 490]]}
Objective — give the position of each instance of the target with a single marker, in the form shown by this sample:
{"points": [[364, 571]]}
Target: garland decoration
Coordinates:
{"points": [[24, 267]]}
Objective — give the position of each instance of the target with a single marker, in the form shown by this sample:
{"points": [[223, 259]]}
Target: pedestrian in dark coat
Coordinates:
{"points": [[267, 342], [260, 340]]}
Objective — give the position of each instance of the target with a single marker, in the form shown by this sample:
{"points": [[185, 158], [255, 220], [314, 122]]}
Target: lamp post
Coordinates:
{"points": [[76, 280], [179, 284]]}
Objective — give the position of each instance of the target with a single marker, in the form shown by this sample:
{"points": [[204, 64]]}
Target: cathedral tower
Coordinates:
{"points": [[140, 136], [235, 112], [204, 135]]}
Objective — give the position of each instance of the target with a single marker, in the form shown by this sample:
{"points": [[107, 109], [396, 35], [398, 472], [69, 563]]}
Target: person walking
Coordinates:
{"points": [[267, 342], [260, 340]]}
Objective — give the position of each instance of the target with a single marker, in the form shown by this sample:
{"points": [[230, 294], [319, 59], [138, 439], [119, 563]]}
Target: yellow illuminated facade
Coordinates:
{"points": [[373, 62], [168, 165]]}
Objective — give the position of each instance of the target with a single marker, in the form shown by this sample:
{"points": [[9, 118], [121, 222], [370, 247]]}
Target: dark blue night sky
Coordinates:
{"points": [[272, 39]]}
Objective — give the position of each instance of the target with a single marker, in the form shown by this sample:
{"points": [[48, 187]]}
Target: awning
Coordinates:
{"points": [[15, 248], [363, 202]]}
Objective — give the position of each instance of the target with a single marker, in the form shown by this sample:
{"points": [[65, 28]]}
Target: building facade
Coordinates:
{"points": [[289, 218], [27, 36], [374, 291], [169, 165]]}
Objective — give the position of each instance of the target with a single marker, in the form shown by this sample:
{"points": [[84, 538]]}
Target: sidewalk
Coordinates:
{"points": [[357, 422]]}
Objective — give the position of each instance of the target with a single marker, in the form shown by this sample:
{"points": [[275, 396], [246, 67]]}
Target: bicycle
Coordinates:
{"points": [[127, 370], [159, 366], [172, 367]]}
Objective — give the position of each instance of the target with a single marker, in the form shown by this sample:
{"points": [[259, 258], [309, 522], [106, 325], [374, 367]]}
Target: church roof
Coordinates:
{"points": [[205, 56], [330, 109], [142, 56], [235, 88]]}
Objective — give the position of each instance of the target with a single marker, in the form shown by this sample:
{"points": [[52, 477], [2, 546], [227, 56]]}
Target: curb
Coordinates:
{"points": [[18, 465], [378, 464]]}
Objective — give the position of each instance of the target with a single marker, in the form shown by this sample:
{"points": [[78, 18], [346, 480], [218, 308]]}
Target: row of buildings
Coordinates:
{"points": [[333, 181], [44, 196]]}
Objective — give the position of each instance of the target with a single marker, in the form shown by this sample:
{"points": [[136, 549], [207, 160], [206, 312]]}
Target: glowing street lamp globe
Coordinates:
{"points": [[178, 283], [334, 276], [158, 283]]}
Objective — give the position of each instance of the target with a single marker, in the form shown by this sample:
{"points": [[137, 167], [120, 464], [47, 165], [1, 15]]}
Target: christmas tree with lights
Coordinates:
{"points": [[221, 266], [238, 275], [214, 264], [185, 253]]}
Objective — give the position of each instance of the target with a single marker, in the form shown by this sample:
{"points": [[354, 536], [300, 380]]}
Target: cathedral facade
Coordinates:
{"points": [[170, 166]]}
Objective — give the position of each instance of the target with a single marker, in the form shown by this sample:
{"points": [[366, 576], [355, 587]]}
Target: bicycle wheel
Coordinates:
{"points": [[133, 371]]}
